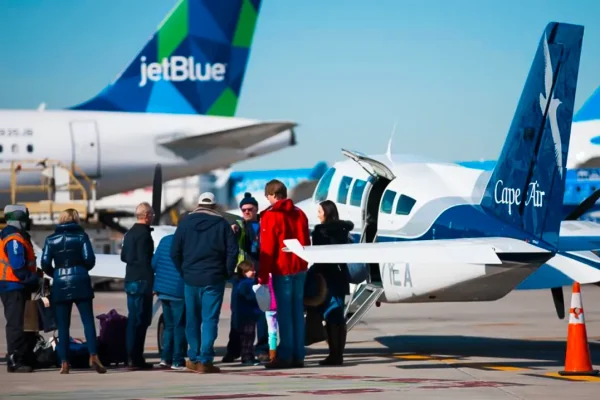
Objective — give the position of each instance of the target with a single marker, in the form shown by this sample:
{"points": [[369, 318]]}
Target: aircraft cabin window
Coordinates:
{"points": [[1, 148], [323, 186], [405, 205], [344, 189], [29, 148], [15, 148], [357, 192], [388, 201]]}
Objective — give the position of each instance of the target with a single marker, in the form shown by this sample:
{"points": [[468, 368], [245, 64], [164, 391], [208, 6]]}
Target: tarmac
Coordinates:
{"points": [[512, 348]]}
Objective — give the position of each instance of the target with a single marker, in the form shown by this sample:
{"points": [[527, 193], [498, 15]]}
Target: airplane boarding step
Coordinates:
{"points": [[362, 300]]}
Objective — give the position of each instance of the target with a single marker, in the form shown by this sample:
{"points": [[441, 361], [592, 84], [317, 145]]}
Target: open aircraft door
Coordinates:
{"points": [[373, 167], [381, 177]]}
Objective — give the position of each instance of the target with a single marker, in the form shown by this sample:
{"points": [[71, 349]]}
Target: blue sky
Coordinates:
{"points": [[450, 72]]}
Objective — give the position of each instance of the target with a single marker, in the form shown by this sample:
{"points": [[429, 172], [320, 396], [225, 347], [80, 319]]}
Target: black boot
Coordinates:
{"points": [[15, 364], [342, 333], [332, 341]]}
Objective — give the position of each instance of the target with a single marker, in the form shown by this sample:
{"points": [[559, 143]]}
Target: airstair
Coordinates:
{"points": [[363, 298], [58, 188]]}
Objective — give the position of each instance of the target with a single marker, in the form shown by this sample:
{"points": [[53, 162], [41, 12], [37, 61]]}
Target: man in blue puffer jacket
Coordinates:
{"points": [[168, 284]]}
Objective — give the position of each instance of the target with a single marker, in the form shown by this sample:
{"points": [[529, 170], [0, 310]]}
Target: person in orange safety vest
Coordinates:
{"points": [[19, 277]]}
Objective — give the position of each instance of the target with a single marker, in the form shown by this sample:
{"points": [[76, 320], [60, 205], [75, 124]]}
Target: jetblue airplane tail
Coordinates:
{"points": [[194, 64], [527, 186]]}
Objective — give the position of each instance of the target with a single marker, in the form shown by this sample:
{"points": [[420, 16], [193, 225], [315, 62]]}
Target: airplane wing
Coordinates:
{"points": [[563, 269], [236, 138], [107, 266], [470, 251], [579, 236]]}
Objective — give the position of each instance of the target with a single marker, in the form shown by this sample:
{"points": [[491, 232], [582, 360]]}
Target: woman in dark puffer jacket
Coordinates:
{"points": [[332, 230], [71, 250]]}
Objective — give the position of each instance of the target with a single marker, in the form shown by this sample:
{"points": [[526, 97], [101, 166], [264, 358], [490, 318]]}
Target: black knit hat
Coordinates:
{"points": [[248, 199]]}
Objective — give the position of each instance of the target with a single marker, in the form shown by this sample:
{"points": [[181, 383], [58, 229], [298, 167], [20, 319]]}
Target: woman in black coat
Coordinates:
{"points": [[71, 250], [332, 230]]}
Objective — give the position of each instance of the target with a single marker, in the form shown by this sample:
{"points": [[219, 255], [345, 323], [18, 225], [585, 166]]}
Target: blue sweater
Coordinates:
{"points": [[246, 308], [168, 282], [204, 249]]}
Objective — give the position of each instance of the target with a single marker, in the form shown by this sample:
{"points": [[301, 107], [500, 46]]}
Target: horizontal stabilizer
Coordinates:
{"points": [[579, 236], [236, 138], [430, 251], [564, 269]]}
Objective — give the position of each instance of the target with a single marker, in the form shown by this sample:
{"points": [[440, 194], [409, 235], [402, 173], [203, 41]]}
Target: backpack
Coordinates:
{"points": [[112, 342]]}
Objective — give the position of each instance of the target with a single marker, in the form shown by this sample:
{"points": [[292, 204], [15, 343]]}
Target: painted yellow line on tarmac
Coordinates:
{"points": [[574, 378], [415, 357], [505, 368]]}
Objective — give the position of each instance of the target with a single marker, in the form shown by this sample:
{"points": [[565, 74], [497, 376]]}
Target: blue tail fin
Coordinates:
{"points": [[527, 186], [194, 64], [590, 109]]}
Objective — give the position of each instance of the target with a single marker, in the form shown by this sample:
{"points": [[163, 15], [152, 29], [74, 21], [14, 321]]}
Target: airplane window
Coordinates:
{"points": [[15, 148], [29, 148], [388, 201], [1, 148], [357, 192], [405, 205], [344, 189], [323, 186]]}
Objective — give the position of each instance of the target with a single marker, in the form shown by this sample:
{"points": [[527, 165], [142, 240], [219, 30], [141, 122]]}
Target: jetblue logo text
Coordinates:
{"points": [[179, 69], [512, 196]]}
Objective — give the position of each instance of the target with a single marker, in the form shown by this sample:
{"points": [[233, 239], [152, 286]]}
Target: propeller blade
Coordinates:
{"points": [[157, 194], [559, 301], [584, 206]]}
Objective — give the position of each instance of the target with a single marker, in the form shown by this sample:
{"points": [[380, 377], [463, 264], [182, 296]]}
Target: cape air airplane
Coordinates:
{"points": [[173, 104], [440, 232]]}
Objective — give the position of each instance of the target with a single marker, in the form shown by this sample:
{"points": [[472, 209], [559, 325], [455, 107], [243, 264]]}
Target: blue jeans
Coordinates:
{"points": [[62, 312], [174, 336], [139, 318], [289, 295], [202, 307]]}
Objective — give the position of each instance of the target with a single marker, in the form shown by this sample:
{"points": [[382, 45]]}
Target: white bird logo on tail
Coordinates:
{"points": [[554, 103]]}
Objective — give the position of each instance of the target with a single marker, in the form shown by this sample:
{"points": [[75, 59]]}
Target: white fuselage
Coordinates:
{"points": [[435, 187], [119, 150]]}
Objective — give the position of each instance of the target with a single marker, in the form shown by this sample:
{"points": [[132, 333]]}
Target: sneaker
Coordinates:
{"points": [[178, 367], [164, 364], [249, 363], [264, 357]]}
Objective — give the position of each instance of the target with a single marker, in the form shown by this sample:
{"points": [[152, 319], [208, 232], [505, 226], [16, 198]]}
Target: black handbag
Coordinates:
{"points": [[46, 319]]}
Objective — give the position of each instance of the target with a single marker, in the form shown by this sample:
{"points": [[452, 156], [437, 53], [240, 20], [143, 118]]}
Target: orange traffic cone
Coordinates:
{"points": [[578, 360]]}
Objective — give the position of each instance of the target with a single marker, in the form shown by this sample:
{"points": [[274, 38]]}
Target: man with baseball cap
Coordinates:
{"points": [[205, 252], [19, 277]]}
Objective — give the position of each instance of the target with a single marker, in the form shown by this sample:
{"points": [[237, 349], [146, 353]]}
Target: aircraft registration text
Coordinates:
{"points": [[399, 274]]}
